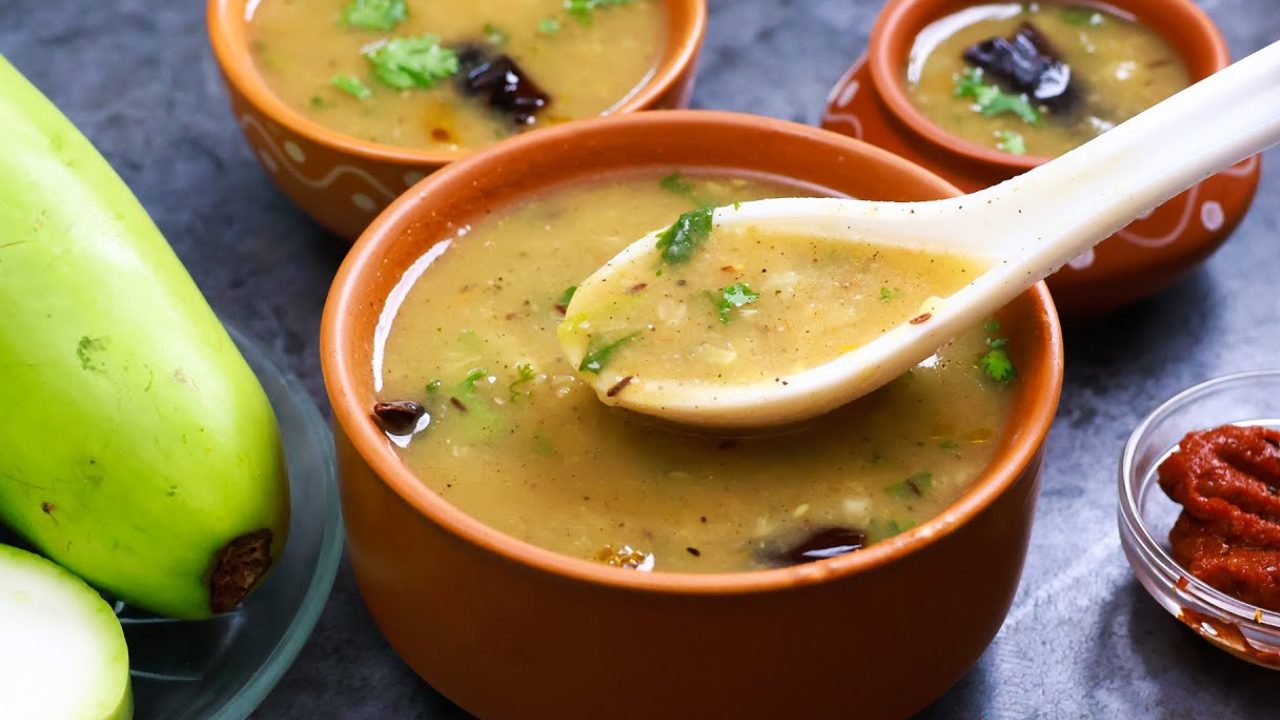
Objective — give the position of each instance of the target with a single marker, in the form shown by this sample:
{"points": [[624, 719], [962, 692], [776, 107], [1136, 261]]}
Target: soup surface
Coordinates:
{"points": [[431, 74], [1039, 78], [746, 304], [511, 435]]}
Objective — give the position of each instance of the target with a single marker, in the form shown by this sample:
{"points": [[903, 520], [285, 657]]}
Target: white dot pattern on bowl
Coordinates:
{"points": [[294, 152], [362, 201], [1211, 216]]}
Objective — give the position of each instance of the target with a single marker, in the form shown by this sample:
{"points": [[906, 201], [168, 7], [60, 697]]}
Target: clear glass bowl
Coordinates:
{"points": [[1147, 514], [222, 668]]}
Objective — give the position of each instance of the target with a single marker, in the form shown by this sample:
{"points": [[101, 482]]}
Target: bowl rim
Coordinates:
{"points": [[227, 20], [1154, 556], [350, 416], [898, 18]]}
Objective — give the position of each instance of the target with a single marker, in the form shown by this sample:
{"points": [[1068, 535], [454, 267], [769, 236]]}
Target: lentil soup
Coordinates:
{"points": [[449, 74], [1039, 78], [483, 406]]}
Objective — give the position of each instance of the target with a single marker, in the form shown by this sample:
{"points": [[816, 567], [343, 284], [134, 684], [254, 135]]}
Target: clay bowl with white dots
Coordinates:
{"points": [[870, 102], [342, 181]]}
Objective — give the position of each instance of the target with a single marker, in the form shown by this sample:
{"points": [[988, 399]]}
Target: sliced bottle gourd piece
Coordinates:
{"points": [[62, 650]]}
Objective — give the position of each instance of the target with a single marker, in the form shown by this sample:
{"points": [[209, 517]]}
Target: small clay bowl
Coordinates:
{"points": [[343, 181], [509, 630], [870, 103]]}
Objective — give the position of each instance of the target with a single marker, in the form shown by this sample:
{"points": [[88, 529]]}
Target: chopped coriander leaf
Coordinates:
{"points": [[318, 103], [998, 366], [1082, 16], [997, 343], [1011, 142], [887, 294], [949, 445], [595, 360], [548, 26], [473, 376], [734, 296], [567, 295], [411, 62], [685, 235], [581, 9], [885, 529], [351, 85], [495, 35], [524, 374], [676, 183], [375, 14], [913, 487], [543, 446], [991, 326], [434, 386], [991, 100]]}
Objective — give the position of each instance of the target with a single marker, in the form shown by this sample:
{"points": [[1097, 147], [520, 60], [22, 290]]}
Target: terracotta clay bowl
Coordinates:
{"points": [[509, 630], [870, 103], [342, 181]]}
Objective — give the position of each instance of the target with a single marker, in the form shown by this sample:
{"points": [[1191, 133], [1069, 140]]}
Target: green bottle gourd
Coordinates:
{"points": [[137, 448]]}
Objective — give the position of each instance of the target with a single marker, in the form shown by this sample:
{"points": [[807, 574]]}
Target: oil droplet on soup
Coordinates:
{"points": [[1039, 78], [751, 304], [413, 72], [518, 441]]}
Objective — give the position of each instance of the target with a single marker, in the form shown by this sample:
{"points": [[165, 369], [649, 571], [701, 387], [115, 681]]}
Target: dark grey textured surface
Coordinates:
{"points": [[1082, 640]]}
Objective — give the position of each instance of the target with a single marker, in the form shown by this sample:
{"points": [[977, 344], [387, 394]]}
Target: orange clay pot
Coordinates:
{"points": [[870, 103], [342, 181], [509, 630]]}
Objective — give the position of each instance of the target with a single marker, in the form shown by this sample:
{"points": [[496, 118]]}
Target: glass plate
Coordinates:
{"points": [[222, 668]]}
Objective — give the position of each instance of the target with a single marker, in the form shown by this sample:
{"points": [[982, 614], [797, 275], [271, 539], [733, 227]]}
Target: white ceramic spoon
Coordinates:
{"points": [[1025, 229]]}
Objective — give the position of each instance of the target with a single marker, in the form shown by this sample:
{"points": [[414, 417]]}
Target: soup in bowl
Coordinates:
{"points": [[349, 102], [530, 551], [974, 90]]}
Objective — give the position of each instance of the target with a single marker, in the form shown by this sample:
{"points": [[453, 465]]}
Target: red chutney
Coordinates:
{"points": [[1228, 482]]}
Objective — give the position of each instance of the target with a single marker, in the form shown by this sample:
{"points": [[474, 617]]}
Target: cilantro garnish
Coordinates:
{"points": [[548, 26], [949, 445], [1077, 15], [405, 63], [734, 296], [567, 295], [495, 35], [1011, 142], [594, 361], [997, 364], [473, 376], [685, 235], [991, 100], [375, 14], [892, 527], [913, 487], [434, 386], [991, 326], [677, 184], [581, 9], [887, 294], [524, 374], [351, 85]]}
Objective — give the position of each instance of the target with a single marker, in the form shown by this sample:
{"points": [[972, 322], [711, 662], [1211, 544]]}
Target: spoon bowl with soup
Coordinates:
{"points": [[772, 312]]}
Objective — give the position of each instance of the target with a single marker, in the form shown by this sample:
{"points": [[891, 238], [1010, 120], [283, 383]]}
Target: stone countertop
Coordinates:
{"points": [[1082, 640]]}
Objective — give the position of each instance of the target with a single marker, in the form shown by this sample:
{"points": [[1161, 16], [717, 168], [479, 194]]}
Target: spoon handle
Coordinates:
{"points": [[1067, 205]]}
